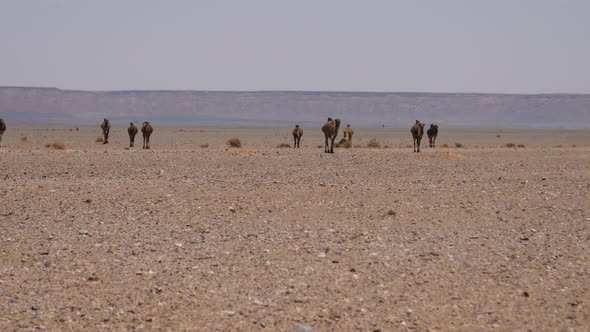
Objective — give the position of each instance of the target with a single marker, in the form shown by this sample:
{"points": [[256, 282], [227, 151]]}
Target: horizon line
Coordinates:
{"points": [[302, 91]]}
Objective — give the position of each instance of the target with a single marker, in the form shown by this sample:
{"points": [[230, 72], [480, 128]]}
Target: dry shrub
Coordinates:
{"points": [[24, 139], [234, 142], [99, 139], [509, 145], [77, 129], [343, 144], [391, 213], [283, 145], [458, 145], [559, 146], [56, 145], [445, 145], [498, 136], [521, 146], [205, 146], [573, 145], [373, 143]]}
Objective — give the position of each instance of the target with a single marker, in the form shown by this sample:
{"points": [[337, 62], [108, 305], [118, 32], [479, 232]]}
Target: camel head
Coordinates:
{"points": [[131, 124], [337, 124], [296, 126], [1, 120]]}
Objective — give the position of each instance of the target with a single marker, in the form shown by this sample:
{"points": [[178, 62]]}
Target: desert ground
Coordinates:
{"points": [[194, 235]]}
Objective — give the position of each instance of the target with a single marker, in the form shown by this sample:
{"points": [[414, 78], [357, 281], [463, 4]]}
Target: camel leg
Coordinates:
{"points": [[143, 142], [418, 144], [106, 138], [326, 147], [434, 141], [332, 145], [148, 143]]}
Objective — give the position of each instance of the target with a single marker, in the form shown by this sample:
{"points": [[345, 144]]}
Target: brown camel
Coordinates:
{"points": [[106, 128], [348, 134], [132, 131], [330, 130], [297, 133], [417, 133], [146, 130], [432, 132], [2, 129]]}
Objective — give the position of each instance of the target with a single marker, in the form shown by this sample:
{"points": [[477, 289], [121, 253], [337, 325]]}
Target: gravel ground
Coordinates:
{"points": [[179, 237]]}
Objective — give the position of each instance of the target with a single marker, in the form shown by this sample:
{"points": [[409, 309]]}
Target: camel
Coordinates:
{"points": [[348, 133], [432, 132], [2, 129], [297, 133], [330, 130], [132, 131], [146, 130], [106, 127], [417, 133]]}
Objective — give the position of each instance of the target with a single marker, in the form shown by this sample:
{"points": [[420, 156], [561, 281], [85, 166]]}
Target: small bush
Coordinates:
{"points": [[498, 136], [205, 146], [77, 129], [573, 145], [373, 143], [283, 145], [559, 146], [458, 145], [445, 145], [391, 213], [24, 139], [521, 146], [509, 145], [99, 139], [343, 144], [56, 145], [234, 143]]}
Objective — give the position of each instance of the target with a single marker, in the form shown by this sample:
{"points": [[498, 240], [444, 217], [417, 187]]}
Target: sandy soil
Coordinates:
{"points": [[179, 237]]}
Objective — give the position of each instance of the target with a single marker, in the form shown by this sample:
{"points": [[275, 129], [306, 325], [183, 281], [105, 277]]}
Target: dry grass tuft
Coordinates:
{"points": [[373, 143], [521, 146], [509, 145], [24, 139], [205, 146], [498, 135], [391, 213], [234, 142], [445, 145], [99, 139], [283, 145], [344, 143], [458, 145], [56, 145], [573, 145]]}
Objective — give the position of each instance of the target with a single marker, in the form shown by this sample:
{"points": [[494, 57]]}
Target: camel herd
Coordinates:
{"points": [[146, 131], [330, 130]]}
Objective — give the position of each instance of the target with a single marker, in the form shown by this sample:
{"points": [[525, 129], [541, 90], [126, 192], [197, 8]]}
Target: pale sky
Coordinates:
{"points": [[495, 46]]}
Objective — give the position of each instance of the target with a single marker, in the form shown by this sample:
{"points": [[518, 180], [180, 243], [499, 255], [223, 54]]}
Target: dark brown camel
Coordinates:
{"points": [[132, 131], [146, 130], [432, 132], [417, 133], [330, 130], [2, 130], [297, 133], [348, 134], [106, 128]]}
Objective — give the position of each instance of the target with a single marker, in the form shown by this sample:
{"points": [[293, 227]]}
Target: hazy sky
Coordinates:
{"points": [[508, 46]]}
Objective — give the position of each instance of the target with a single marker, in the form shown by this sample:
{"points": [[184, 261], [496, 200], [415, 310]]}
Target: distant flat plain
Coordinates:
{"points": [[194, 235]]}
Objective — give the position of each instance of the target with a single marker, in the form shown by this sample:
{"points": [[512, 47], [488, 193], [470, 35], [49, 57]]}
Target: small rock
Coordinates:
{"points": [[303, 328], [83, 232]]}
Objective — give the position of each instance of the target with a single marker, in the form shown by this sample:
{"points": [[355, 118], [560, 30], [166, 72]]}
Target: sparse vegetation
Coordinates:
{"points": [[498, 135], [521, 146], [373, 143], [205, 146], [77, 129], [509, 145], [234, 142], [24, 139], [391, 213], [573, 145], [56, 145], [99, 139], [343, 144], [458, 145], [283, 145], [445, 145]]}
